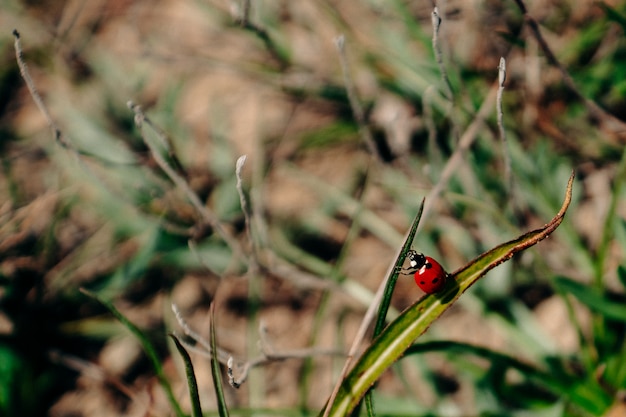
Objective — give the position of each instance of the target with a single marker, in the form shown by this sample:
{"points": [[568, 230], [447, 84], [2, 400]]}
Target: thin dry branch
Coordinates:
{"points": [[222, 355], [206, 215], [355, 104], [60, 138], [466, 140], [242, 17], [594, 109], [268, 354], [253, 264], [58, 135], [500, 114], [436, 22]]}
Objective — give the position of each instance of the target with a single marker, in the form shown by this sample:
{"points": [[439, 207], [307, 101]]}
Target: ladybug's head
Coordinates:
{"points": [[416, 259]]}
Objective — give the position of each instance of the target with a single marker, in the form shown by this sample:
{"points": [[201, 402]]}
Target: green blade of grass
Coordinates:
{"points": [[215, 369], [148, 347], [579, 391], [388, 292], [391, 282], [621, 275], [592, 298], [196, 409], [414, 321]]}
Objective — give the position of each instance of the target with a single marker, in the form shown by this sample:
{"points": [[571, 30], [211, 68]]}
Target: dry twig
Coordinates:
{"points": [[355, 104], [206, 215], [436, 22], [500, 114], [268, 354], [596, 111]]}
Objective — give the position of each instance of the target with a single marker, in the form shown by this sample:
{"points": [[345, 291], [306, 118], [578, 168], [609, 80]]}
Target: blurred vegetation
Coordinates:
{"points": [[541, 335]]}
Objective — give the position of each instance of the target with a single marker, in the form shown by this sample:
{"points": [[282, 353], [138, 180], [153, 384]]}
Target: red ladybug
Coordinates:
{"points": [[429, 274]]}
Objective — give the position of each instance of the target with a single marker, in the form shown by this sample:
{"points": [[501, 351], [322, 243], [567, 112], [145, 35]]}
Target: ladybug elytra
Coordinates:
{"points": [[429, 274]]}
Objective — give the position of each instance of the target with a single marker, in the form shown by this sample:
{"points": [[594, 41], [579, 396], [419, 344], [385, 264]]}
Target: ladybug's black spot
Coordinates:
{"points": [[435, 280], [428, 265], [423, 282]]}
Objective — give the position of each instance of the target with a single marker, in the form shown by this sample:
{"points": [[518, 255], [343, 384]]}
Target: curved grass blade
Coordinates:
{"points": [[196, 409], [414, 321], [385, 302], [148, 347], [215, 369], [505, 360], [592, 298], [587, 396]]}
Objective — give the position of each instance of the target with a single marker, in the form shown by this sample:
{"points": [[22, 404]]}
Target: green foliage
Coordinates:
{"points": [[216, 371], [121, 227], [400, 334], [148, 347], [196, 409]]}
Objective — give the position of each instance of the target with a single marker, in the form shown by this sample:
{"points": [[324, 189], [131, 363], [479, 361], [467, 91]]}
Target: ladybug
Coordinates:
{"points": [[429, 274]]}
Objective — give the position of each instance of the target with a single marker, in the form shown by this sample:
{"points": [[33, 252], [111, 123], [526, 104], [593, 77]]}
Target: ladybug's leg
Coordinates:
{"points": [[407, 271], [416, 261]]}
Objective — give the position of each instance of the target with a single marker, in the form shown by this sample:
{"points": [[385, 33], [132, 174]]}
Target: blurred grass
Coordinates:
{"points": [[117, 225]]}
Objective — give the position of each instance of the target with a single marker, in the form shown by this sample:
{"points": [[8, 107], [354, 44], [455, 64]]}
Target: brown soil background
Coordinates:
{"points": [[206, 82]]}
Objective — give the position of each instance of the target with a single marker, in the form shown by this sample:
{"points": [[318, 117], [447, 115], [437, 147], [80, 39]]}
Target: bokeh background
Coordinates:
{"points": [[327, 214]]}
